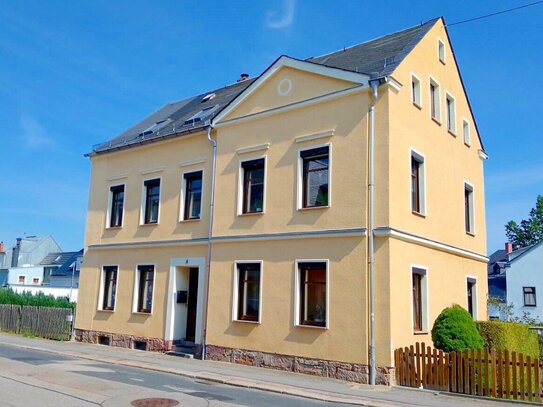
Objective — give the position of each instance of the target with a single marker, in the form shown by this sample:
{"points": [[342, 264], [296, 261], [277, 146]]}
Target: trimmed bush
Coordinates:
{"points": [[8, 296], [509, 335], [455, 329]]}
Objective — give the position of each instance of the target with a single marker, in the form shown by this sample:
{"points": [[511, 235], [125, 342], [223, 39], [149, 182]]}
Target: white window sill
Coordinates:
{"points": [[149, 224], [470, 234], [251, 213], [114, 227], [246, 322], [190, 220], [418, 106], [452, 132], [109, 311], [142, 313], [419, 214], [421, 333], [311, 208], [311, 327]]}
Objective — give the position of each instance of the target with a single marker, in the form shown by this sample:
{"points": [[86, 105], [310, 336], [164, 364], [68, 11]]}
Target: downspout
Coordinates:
{"points": [[374, 84], [209, 233]]}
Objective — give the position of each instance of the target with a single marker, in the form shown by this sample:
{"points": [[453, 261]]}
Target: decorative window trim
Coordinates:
{"points": [[416, 91], [117, 177], [469, 187], [101, 289], [437, 99], [187, 163], [135, 296], [235, 293], [252, 149], [300, 178], [450, 121], [241, 176], [441, 51], [297, 322], [425, 303], [466, 134], [151, 170], [473, 280], [143, 199], [417, 155], [110, 203], [183, 193]]}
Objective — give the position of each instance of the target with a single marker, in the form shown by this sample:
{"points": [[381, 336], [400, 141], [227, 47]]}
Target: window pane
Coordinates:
{"points": [[417, 302], [110, 287], [529, 296], [313, 294], [117, 202], [253, 186], [193, 195], [248, 291], [415, 182], [152, 201], [146, 288], [315, 179]]}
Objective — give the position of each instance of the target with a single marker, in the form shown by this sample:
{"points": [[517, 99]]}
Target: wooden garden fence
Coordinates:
{"points": [[45, 322], [480, 372]]}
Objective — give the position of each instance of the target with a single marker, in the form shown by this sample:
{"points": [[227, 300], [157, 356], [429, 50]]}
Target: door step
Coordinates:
{"points": [[182, 351]]}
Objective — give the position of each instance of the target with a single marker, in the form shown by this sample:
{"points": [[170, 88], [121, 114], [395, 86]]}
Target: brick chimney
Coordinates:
{"points": [[508, 247], [15, 253], [2, 250]]}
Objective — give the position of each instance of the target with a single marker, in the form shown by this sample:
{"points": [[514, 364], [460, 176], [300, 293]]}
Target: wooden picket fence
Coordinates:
{"points": [[45, 322], [480, 372]]}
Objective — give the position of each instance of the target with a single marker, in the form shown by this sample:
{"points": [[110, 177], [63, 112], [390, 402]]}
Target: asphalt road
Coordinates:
{"points": [[34, 378]]}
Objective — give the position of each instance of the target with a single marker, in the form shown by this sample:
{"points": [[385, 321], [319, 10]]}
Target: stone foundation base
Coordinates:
{"points": [[123, 340], [351, 372]]}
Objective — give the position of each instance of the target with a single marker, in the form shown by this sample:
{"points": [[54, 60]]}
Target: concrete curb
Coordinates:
{"points": [[228, 380]]}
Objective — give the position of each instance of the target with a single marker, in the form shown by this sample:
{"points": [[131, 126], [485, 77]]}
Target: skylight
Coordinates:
{"points": [[198, 117], [208, 97], [155, 127]]}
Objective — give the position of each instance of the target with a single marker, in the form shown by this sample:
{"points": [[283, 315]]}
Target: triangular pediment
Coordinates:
{"points": [[288, 81]]}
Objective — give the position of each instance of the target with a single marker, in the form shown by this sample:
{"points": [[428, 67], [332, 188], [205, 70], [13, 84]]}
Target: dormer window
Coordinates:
{"points": [[201, 115]]}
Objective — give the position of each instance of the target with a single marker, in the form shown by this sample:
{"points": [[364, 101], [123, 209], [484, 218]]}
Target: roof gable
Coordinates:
{"points": [[277, 86]]}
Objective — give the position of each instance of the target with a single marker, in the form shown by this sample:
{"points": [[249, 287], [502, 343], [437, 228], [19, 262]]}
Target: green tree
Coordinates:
{"points": [[530, 231], [455, 329]]}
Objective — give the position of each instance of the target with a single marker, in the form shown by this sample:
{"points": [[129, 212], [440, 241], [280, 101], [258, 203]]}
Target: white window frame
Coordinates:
{"points": [[24, 279], [135, 294], [424, 296], [422, 181], [437, 99], [472, 279], [100, 305], [297, 322], [241, 174], [143, 196], [182, 196], [300, 178], [450, 121], [441, 52], [466, 134], [235, 296], [416, 94], [469, 186], [110, 202], [36, 278]]}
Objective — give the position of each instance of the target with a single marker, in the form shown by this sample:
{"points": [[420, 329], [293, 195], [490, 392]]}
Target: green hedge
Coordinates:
{"points": [[509, 335], [8, 296]]}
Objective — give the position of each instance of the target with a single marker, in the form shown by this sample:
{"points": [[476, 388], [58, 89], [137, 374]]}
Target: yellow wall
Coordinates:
{"points": [[448, 161], [345, 340], [133, 163]]}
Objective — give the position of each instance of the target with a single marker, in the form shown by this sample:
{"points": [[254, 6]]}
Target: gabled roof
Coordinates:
{"points": [[62, 259], [381, 55], [504, 259]]}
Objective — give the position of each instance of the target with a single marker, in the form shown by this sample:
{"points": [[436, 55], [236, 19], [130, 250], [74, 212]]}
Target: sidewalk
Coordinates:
{"points": [[295, 384]]}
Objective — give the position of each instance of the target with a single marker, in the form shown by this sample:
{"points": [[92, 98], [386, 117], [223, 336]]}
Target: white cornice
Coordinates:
{"points": [[315, 136], [192, 162], [151, 170], [407, 237], [117, 177], [252, 149]]}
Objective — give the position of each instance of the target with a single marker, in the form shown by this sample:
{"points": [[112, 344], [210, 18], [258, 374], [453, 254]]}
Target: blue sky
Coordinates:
{"points": [[75, 74]]}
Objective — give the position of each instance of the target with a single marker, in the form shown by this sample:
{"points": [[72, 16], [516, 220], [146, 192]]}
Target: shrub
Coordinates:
{"points": [[509, 335], [8, 296], [455, 329]]}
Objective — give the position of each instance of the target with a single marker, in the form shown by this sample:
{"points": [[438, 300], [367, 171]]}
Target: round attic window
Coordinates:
{"points": [[284, 87]]}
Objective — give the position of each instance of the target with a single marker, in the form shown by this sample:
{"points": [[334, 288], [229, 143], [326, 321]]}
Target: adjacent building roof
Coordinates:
{"points": [[380, 56], [64, 260], [32, 251]]}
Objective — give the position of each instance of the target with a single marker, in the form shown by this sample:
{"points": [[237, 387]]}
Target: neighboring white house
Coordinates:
{"points": [[516, 278]]}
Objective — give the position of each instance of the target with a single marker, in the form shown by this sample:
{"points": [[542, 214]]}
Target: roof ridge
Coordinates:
{"points": [[433, 20]]}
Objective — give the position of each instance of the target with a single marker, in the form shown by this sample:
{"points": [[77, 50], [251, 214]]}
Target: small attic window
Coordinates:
{"points": [[58, 258], [155, 127], [208, 97], [441, 50], [198, 117]]}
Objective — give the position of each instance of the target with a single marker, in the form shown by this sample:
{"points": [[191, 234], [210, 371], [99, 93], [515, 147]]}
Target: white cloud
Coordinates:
{"points": [[281, 19], [33, 134]]}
